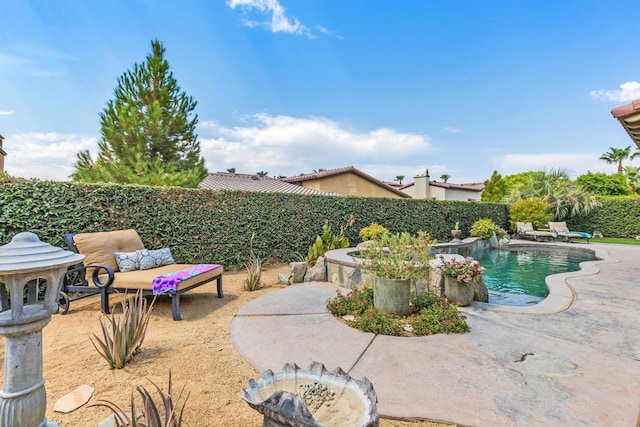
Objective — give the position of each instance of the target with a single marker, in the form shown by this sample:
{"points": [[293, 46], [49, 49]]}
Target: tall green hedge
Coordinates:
{"points": [[617, 217], [210, 226]]}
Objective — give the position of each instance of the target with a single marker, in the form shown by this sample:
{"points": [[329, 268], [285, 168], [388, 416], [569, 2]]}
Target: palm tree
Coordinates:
{"points": [[617, 155], [262, 173], [445, 177], [231, 170], [399, 179]]}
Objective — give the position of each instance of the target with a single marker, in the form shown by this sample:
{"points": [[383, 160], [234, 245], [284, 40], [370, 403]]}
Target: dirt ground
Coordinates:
{"points": [[197, 350]]}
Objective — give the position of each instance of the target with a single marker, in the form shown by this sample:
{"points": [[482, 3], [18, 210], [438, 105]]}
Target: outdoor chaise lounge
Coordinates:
{"points": [[525, 230], [117, 261], [561, 229]]}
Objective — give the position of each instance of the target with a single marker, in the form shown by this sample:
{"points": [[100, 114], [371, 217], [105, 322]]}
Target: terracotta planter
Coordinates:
{"points": [[458, 292], [392, 295]]}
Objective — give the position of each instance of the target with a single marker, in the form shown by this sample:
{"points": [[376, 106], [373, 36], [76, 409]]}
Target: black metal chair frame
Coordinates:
{"points": [[75, 281]]}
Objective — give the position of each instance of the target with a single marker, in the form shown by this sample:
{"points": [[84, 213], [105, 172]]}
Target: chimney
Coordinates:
{"points": [[421, 186]]}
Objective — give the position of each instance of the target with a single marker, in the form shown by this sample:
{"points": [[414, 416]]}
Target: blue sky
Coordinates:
{"points": [[288, 86]]}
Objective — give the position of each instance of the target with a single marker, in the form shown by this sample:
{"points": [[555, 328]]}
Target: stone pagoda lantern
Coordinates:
{"points": [[24, 263]]}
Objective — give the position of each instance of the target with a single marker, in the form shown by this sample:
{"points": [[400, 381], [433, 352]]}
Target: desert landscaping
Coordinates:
{"points": [[197, 350]]}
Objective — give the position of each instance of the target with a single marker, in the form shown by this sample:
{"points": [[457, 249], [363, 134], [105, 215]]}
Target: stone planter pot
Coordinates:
{"points": [[456, 235], [455, 291], [392, 295]]}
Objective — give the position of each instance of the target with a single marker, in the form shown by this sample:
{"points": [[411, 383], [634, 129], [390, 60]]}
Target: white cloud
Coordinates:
{"points": [[6, 113], [328, 32], [279, 22], [451, 129], [285, 145], [44, 155], [579, 163], [629, 91]]}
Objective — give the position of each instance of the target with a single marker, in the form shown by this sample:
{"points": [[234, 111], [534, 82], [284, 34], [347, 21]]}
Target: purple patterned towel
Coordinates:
{"points": [[167, 283]]}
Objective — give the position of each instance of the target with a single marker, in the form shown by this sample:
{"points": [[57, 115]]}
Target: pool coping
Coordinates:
{"points": [[561, 295]]}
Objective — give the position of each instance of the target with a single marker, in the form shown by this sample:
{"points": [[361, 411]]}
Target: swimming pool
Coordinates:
{"points": [[517, 276]]}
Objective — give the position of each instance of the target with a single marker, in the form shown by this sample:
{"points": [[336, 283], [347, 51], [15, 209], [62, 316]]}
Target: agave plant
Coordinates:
{"points": [[149, 414], [122, 335]]}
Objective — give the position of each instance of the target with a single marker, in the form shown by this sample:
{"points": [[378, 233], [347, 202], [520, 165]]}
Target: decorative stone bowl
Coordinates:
{"points": [[312, 397]]}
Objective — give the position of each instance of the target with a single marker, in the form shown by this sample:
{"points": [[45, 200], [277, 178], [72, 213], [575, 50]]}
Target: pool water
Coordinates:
{"points": [[517, 277]]}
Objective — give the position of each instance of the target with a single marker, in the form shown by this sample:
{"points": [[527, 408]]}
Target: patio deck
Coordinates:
{"points": [[575, 366]]}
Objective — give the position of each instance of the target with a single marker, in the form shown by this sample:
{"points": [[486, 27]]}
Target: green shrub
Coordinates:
{"points": [[614, 218], [483, 228], [533, 210], [207, 226], [379, 322], [398, 256], [328, 241], [440, 317], [423, 300], [123, 334], [373, 231], [356, 302], [430, 315]]}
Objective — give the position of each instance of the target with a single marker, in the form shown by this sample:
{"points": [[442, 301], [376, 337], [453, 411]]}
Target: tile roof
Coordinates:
{"points": [[629, 117], [247, 182], [339, 171], [472, 186]]}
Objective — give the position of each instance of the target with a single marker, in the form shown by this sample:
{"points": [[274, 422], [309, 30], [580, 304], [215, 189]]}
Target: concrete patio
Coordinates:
{"points": [[574, 363]]}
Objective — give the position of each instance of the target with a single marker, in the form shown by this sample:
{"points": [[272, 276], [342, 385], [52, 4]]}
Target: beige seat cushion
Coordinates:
{"points": [[100, 248], [143, 279]]}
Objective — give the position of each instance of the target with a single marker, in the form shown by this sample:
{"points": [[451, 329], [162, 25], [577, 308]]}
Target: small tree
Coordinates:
{"points": [[605, 185], [632, 173], [495, 189], [566, 198], [399, 179], [148, 131], [445, 177], [533, 210]]}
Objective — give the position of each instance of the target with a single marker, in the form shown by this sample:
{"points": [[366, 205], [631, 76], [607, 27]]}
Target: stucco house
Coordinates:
{"points": [[347, 181], [423, 188], [2, 155], [629, 117], [248, 182]]}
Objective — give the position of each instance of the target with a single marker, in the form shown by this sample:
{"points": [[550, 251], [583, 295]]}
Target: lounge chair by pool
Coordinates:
{"points": [[525, 230], [561, 229]]}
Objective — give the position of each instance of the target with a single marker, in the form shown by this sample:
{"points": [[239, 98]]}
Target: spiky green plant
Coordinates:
{"points": [[254, 273], [254, 269], [123, 334], [150, 412]]}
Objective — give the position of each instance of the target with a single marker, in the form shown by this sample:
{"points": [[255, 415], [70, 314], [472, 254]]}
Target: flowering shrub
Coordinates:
{"points": [[463, 270]]}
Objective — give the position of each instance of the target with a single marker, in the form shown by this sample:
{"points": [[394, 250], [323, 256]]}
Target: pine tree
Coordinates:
{"points": [[148, 131]]}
